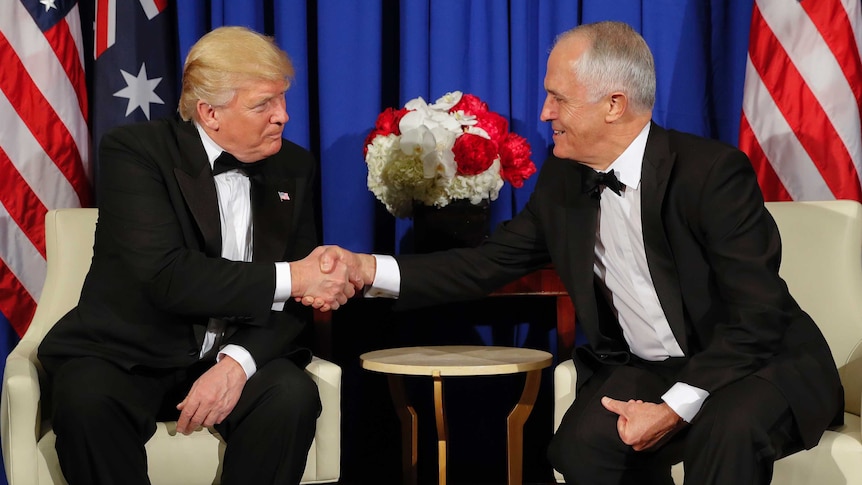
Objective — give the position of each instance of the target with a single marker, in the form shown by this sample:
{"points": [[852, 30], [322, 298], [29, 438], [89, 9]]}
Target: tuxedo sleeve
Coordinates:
{"points": [[752, 306], [515, 248]]}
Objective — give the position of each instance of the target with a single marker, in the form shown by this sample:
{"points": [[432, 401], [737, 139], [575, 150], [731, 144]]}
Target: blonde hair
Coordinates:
{"points": [[222, 60]]}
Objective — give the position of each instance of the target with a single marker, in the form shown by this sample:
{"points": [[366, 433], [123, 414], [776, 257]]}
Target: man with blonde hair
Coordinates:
{"points": [[206, 234]]}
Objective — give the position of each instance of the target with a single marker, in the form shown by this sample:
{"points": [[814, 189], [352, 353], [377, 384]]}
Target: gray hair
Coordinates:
{"points": [[618, 59]]}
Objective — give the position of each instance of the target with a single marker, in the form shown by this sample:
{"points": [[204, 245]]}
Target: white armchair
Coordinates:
{"points": [[822, 264], [28, 441]]}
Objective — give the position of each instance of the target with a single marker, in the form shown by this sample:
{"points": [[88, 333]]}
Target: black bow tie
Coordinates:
{"points": [[593, 181], [226, 162]]}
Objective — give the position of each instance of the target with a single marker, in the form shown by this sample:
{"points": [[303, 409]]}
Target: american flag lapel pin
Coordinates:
{"points": [[283, 196]]}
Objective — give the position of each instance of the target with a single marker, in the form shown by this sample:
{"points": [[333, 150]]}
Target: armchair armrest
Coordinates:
{"points": [[851, 378], [565, 377], [327, 460], [21, 394]]}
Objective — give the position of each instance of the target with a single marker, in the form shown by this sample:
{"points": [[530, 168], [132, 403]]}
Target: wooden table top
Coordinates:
{"points": [[455, 360]]}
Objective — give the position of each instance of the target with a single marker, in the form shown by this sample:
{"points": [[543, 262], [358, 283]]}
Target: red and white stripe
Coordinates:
{"points": [[106, 26], [801, 124], [44, 147], [153, 7], [106, 21]]}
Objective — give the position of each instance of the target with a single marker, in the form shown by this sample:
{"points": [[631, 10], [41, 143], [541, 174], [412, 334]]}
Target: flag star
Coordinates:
{"points": [[140, 91], [49, 4]]}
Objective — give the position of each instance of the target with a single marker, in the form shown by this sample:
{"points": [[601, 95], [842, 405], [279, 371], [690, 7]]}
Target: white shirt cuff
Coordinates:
{"points": [[283, 285], [240, 355], [685, 400], [387, 278]]}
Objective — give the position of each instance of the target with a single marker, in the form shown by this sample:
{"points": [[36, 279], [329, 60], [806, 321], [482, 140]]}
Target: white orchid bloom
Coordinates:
{"points": [[418, 141], [412, 120], [447, 101], [448, 166], [478, 131], [444, 139], [416, 103], [424, 116], [444, 120], [463, 118], [439, 163], [444, 163], [434, 149]]}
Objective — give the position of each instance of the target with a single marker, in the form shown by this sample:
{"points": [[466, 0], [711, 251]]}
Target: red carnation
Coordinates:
{"points": [[386, 124], [515, 163], [473, 154], [495, 125], [470, 104]]}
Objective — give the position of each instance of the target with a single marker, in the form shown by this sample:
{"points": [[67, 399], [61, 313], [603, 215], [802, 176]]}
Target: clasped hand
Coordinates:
{"points": [[212, 397], [329, 276], [644, 425]]}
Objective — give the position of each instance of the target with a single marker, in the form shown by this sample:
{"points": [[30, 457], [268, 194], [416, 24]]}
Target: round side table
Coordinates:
{"points": [[457, 360]]}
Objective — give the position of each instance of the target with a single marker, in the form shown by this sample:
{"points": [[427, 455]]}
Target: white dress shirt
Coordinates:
{"points": [[621, 265], [233, 189]]}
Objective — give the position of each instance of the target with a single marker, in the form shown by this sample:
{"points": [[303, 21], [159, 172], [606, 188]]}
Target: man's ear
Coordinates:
{"points": [[617, 104], [207, 115]]}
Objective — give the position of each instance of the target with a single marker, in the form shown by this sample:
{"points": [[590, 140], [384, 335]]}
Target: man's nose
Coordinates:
{"points": [[281, 117]]}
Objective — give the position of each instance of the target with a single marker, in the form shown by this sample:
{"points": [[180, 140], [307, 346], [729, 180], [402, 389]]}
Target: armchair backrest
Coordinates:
{"points": [[822, 264], [69, 235]]}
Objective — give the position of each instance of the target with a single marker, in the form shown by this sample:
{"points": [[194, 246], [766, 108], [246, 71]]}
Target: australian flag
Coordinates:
{"points": [[134, 66]]}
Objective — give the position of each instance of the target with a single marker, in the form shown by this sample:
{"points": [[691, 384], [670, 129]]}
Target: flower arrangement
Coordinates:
{"points": [[436, 153]]}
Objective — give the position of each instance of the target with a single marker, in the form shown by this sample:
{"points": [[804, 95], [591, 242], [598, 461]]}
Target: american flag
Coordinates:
{"points": [[802, 99], [44, 141]]}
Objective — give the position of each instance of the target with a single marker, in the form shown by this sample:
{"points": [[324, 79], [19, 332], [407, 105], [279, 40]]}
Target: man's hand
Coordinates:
{"points": [[212, 397], [644, 425], [325, 290], [360, 269]]}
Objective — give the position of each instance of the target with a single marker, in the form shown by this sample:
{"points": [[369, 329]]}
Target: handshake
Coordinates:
{"points": [[329, 276]]}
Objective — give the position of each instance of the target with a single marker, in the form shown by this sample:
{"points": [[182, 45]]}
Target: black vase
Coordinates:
{"points": [[459, 224]]}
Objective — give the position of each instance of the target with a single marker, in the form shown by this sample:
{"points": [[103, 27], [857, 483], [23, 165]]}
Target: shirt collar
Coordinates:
{"points": [[210, 147], [628, 165]]}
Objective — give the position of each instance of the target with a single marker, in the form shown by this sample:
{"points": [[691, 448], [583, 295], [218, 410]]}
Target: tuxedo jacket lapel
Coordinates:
{"points": [[581, 219], [194, 176], [272, 210], [272, 213], [580, 231], [655, 175]]}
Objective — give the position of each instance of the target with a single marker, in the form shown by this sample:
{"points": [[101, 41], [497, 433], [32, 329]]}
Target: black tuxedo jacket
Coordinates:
{"points": [[157, 275], [713, 252]]}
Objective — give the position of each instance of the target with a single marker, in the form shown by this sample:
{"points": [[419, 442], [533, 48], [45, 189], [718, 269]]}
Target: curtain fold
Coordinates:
{"points": [[349, 76]]}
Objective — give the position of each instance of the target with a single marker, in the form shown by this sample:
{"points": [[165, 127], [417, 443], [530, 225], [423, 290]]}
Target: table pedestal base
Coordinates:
{"points": [[409, 428]]}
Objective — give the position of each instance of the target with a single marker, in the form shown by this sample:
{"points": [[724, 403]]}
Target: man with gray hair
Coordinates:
{"points": [[695, 349], [206, 235]]}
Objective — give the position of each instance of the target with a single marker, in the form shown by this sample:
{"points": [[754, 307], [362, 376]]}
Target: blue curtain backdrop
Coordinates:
{"points": [[355, 58]]}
